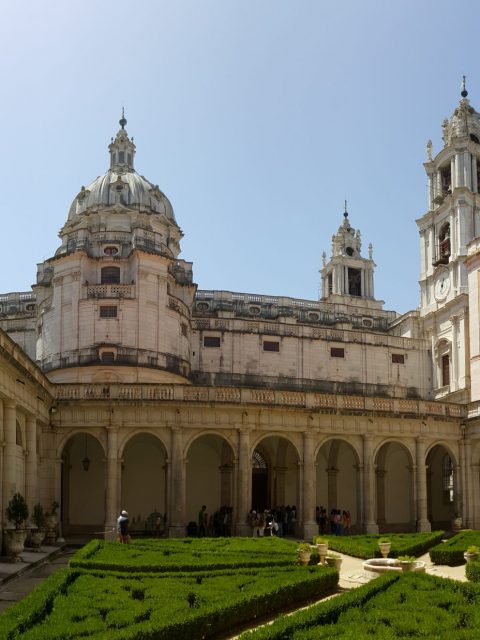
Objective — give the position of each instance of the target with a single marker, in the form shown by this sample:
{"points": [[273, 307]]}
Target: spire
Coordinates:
{"points": [[122, 149], [464, 92], [123, 121]]}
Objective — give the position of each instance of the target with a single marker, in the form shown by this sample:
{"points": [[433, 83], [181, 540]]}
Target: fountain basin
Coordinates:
{"points": [[381, 565]]}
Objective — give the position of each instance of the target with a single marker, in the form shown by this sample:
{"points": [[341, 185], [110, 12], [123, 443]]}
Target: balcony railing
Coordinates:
{"points": [[110, 291]]}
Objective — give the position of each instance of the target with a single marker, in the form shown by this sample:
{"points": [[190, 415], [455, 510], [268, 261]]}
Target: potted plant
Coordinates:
{"points": [[322, 546], [471, 554], [407, 563], [17, 513], [52, 522], [38, 533], [384, 544], [333, 560], [304, 552]]}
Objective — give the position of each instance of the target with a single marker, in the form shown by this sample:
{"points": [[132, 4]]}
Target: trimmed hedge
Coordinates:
{"points": [[366, 546], [451, 551], [472, 571], [170, 608], [186, 554], [392, 606]]}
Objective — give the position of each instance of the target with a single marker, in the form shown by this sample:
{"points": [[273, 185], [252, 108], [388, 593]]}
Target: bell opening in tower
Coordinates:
{"points": [[354, 282]]}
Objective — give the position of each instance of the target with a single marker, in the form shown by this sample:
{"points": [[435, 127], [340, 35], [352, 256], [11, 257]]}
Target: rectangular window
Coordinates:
{"points": [[108, 312], [398, 358], [108, 357], [445, 370], [270, 345], [337, 352], [211, 341]]}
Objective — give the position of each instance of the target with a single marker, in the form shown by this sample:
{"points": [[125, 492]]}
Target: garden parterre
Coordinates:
{"points": [[366, 546], [130, 603]]}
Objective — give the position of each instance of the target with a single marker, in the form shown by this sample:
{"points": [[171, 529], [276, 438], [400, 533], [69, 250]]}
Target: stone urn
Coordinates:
{"points": [[15, 543], [407, 564], [36, 537], [457, 523], [322, 548], [52, 522], [304, 554], [471, 554], [334, 561], [384, 547]]}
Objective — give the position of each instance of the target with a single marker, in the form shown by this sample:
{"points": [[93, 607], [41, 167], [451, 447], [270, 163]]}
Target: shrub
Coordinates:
{"points": [[472, 571], [451, 552], [366, 546], [17, 510]]}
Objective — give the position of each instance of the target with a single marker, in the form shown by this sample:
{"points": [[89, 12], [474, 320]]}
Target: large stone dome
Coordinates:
{"points": [[121, 185]]}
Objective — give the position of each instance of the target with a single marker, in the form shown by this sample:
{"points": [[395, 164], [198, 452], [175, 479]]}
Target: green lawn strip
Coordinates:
{"points": [[409, 605], [190, 606], [451, 551], [366, 546], [180, 555], [34, 608]]}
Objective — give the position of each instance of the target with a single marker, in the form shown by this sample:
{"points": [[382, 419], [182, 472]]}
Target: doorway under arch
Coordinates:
{"points": [[210, 482], [83, 485], [274, 474], [442, 488], [338, 480], [144, 482], [395, 488]]}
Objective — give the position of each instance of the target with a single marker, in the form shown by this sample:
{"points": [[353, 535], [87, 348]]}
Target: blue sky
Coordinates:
{"points": [[256, 118]]}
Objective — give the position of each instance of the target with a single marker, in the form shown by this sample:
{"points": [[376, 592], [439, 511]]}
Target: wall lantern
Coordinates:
{"points": [[86, 460]]}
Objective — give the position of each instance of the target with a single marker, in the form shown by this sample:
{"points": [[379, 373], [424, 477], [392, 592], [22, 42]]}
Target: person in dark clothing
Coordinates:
{"points": [[122, 528]]}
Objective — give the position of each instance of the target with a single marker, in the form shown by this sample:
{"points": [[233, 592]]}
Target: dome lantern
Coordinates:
{"points": [[122, 149]]}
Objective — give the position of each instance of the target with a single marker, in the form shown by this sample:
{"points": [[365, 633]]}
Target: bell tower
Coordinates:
{"points": [[447, 231], [348, 277]]}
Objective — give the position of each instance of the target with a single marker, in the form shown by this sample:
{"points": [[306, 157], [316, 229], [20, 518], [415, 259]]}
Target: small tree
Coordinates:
{"points": [[17, 510], [38, 516]]}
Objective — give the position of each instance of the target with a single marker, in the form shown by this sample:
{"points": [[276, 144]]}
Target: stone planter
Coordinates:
{"points": [[304, 556], [336, 563], [15, 543], [322, 551], [457, 523], [52, 522], [35, 538], [407, 565], [470, 557], [384, 548]]}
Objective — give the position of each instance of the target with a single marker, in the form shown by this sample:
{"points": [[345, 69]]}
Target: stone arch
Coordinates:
{"points": [[338, 479], [144, 486], [394, 487], [83, 484], [209, 481], [443, 487], [277, 485]]}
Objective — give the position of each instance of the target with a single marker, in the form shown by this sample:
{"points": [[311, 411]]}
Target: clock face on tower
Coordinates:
{"points": [[441, 285]]}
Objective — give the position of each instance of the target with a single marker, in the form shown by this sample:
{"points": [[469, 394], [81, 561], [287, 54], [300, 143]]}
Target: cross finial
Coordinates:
{"points": [[464, 92], [345, 213]]}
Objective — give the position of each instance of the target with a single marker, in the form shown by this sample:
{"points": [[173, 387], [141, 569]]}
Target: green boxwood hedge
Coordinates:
{"points": [[81, 602], [366, 546], [392, 606], [451, 551]]}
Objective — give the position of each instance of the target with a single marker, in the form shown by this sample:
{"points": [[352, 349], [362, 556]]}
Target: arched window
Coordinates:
{"points": [[445, 362], [110, 275], [444, 249], [447, 473]]}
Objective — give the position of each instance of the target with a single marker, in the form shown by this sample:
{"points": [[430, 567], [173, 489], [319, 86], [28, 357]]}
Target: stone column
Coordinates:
{"points": [[244, 479], [9, 484], [177, 505], [112, 506], [423, 523], [467, 489], [359, 499], [226, 485], [474, 177], [31, 481], [459, 170], [369, 479], [475, 495], [380, 478], [467, 170], [454, 372], [332, 488], [310, 527]]}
